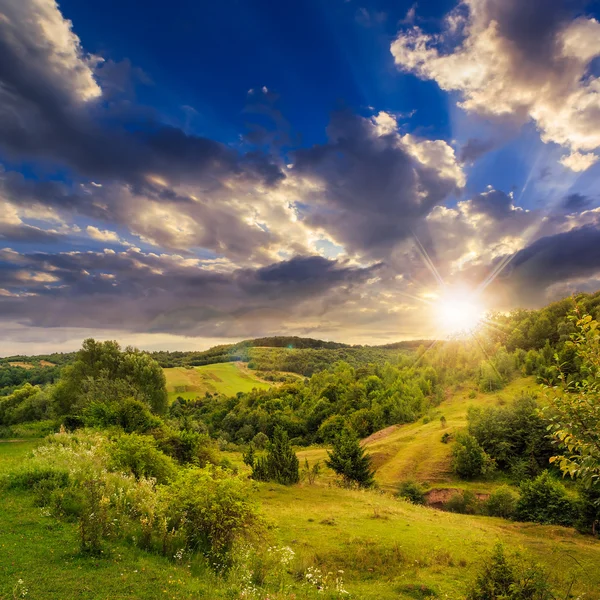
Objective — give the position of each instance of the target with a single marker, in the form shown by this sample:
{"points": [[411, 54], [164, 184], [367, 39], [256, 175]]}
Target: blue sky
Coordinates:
{"points": [[175, 175]]}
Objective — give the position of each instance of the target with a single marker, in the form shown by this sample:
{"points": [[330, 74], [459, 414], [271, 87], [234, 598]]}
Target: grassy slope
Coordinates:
{"points": [[415, 450], [221, 378], [384, 545]]}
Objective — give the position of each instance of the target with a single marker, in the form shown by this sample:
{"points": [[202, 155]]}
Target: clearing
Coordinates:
{"points": [[220, 378]]}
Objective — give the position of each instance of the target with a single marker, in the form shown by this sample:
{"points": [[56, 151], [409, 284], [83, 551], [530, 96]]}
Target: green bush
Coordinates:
{"points": [[501, 503], [139, 455], [464, 503], [132, 415], [469, 459], [545, 500], [513, 577], [214, 511], [412, 491]]}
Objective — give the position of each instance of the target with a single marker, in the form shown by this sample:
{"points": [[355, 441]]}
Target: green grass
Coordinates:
{"points": [[13, 452], [415, 450], [221, 378], [387, 547]]}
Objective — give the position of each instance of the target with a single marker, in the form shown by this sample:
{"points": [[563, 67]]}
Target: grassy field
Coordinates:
{"points": [[221, 378], [387, 549]]}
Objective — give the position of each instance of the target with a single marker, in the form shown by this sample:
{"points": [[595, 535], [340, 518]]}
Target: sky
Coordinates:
{"points": [[196, 173]]}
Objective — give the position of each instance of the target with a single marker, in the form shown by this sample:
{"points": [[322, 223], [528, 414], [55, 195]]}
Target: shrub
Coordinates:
{"points": [[588, 520], [279, 465], [501, 503], [412, 491], [139, 455], [187, 447], [510, 578], [545, 500], [260, 440], [214, 512], [129, 414], [464, 502], [469, 459], [348, 459]]}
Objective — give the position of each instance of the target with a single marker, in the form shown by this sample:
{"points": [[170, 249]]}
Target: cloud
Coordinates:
{"points": [[137, 291], [518, 61], [369, 185], [576, 161], [102, 235]]}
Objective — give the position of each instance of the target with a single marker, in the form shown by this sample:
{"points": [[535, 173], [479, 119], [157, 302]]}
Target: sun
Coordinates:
{"points": [[458, 311]]}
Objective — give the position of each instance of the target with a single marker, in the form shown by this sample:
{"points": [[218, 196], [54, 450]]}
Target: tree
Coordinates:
{"points": [[280, 465], [574, 409], [469, 459], [348, 459], [104, 373]]}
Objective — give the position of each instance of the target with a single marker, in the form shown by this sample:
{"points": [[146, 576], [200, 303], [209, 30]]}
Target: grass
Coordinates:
{"points": [[221, 378], [388, 548], [415, 450]]}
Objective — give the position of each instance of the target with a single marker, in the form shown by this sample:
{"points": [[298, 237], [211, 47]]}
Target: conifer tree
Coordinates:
{"points": [[348, 459], [280, 465]]}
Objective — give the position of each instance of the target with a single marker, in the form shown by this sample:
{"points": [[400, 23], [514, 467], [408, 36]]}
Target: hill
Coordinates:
{"points": [[222, 378]]}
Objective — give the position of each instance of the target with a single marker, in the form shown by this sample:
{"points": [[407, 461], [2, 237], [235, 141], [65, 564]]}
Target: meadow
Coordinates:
{"points": [[220, 378], [383, 548]]}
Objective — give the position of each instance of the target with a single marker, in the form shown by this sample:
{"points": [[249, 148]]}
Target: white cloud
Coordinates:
{"points": [[540, 73], [576, 161], [102, 235], [36, 28]]}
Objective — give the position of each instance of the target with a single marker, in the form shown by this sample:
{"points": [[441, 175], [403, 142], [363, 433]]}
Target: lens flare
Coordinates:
{"points": [[458, 311]]}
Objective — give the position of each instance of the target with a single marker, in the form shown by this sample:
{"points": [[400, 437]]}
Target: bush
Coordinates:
{"points": [[465, 503], [214, 512], [412, 491], [139, 455], [469, 459], [545, 500], [510, 578], [501, 503], [129, 414], [260, 440], [588, 520]]}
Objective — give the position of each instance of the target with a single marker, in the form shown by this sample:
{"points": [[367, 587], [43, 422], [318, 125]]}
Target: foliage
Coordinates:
{"points": [[309, 473], [514, 435], [501, 503], [280, 463], [214, 512], [129, 414], [574, 410], [412, 491], [469, 459], [545, 500], [503, 577], [104, 373], [348, 459], [139, 455], [27, 403], [464, 502]]}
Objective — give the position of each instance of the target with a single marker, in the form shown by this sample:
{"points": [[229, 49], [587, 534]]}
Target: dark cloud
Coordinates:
{"points": [[475, 148], [556, 259], [371, 190], [145, 292], [576, 203]]}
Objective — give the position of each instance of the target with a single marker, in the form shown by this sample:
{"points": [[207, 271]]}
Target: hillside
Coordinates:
{"points": [[415, 450], [221, 378]]}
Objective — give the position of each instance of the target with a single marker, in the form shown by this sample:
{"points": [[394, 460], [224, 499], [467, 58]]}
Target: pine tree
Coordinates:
{"points": [[348, 459], [280, 465]]}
